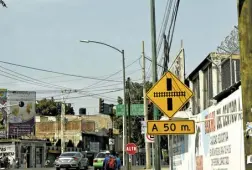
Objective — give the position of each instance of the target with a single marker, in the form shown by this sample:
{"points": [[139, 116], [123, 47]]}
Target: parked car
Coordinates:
{"points": [[98, 161], [73, 160]]}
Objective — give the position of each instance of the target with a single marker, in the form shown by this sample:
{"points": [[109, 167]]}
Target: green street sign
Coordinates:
{"points": [[135, 110]]}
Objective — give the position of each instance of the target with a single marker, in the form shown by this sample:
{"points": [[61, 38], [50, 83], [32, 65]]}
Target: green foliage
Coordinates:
{"points": [[49, 107], [136, 96]]}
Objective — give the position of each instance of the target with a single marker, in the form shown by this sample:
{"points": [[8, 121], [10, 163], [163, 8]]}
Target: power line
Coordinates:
{"points": [[36, 80], [55, 72], [162, 31], [89, 95], [22, 80], [113, 74]]}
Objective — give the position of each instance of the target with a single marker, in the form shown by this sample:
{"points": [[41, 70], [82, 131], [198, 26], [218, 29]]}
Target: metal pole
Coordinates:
{"points": [[245, 39], [147, 145], [129, 123], [171, 151], [125, 141], [153, 157], [62, 128], [154, 78]]}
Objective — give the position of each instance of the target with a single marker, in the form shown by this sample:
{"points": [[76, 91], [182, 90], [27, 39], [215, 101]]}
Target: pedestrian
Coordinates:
{"points": [[118, 161], [106, 159], [110, 161]]}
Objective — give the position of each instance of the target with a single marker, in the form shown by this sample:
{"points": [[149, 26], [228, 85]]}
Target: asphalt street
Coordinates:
{"points": [[91, 168]]}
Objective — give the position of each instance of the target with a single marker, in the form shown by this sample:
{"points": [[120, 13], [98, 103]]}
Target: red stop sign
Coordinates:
{"points": [[131, 148]]}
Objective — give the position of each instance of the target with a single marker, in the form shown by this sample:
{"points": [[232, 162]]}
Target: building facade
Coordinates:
{"points": [[216, 73]]}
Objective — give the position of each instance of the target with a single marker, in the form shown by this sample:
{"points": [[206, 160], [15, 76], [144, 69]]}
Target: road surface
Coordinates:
{"points": [[91, 168]]}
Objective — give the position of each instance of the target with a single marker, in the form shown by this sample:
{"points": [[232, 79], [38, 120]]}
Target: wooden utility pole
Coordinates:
{"points": [[147, 145], [245, 40]]}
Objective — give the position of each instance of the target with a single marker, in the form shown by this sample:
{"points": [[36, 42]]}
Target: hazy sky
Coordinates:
{"points": [[46, 33]]}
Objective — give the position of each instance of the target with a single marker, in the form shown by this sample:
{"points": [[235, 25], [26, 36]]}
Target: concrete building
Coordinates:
{"points": [[30, 153], [85, 128], [215, 74]]}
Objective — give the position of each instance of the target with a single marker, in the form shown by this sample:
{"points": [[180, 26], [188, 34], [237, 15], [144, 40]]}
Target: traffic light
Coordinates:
{"points": [[58, 105], [21, 104], [101, 105], [110, 133], [150, 111]]}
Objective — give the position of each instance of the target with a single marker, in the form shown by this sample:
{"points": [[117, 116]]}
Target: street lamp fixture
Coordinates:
{"points": [[85, 41], [124, 91]]}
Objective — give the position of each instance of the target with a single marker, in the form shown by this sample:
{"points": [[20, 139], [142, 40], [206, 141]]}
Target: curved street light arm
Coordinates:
{"points": [[102, 43]]}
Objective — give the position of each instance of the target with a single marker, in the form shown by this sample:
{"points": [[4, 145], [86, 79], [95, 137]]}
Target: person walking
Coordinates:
{"points": [[106, 159], [110, 162], [118, 161]]}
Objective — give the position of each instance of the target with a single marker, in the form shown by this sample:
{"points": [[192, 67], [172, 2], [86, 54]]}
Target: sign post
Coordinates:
{"points": [[169, 95]]}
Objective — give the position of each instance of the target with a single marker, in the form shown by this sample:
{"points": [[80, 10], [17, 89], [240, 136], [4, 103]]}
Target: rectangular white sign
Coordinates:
{"points": [[218, 141]]}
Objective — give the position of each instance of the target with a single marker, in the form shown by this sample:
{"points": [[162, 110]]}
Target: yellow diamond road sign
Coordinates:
{"points": [[169, 94]]}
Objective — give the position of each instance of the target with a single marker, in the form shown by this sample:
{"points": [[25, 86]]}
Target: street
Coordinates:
{"points": [[91, 168]]}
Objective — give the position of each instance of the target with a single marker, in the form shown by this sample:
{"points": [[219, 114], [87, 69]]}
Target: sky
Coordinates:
{"points": [[46, 34]]}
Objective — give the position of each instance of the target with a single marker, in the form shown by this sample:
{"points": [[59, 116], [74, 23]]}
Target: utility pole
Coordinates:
{"points": [[62, 128], [129, 123], [125, 141], [245, 40], [147, 145], [154, 79]]}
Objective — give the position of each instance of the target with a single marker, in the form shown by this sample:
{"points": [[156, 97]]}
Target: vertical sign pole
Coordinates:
{"points": [[153, 157], [169, 107], [147, 145]]}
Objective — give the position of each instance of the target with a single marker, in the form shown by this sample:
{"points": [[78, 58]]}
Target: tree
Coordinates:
{"points": [[136, 97], [49, 107], [70, 144]]}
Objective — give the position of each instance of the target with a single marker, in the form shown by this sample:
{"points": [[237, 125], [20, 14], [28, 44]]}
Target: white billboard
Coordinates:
{"points": [[218, 140], [178, 65], [21, 119], [8, 150]]}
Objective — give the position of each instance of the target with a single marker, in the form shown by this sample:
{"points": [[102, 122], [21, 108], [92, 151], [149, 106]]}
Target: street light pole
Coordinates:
{"points": [[124, 93], [154, 79]]}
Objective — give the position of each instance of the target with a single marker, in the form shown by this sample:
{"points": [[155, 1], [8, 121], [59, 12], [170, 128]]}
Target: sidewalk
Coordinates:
{"points": [[142, 168]]}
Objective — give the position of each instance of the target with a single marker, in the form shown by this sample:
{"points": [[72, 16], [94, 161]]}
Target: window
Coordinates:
{"points": [[79, 155], [208, 86], [68, 154], [196, 96], [230, 72], [100, 155]]}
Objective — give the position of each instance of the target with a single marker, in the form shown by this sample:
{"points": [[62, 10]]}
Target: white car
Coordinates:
{"points": [[71, 160]]}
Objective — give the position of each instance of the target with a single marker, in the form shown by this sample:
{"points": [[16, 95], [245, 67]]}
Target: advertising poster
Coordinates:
{"points": [[21, 119], [218, 140], [222, 137], [3, 112], [8, 150], [179, 151]]}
